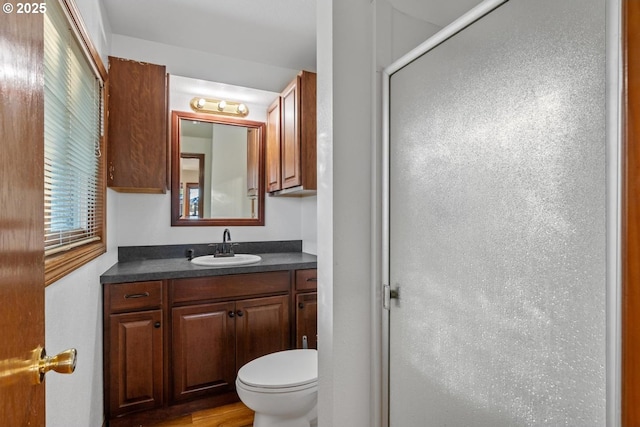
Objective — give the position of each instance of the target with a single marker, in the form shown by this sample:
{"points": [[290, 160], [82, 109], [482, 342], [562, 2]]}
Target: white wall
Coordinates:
{"points": [[345, 60], [309, 224]]}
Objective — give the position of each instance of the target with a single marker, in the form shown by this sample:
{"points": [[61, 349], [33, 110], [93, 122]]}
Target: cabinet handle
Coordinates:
{"points": [[300, 305], [312, 279], [232, 314], [240, 313], [142, 295], [156, 325], [111, 170]]}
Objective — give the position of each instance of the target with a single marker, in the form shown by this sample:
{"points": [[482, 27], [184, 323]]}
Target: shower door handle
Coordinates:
{"points": [[388, 295]]}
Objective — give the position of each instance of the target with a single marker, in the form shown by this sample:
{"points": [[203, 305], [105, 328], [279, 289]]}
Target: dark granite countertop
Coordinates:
{"points": [[174, 268]]}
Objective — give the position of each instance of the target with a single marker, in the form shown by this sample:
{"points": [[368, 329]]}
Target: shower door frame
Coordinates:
{"points": [[614, 139]]}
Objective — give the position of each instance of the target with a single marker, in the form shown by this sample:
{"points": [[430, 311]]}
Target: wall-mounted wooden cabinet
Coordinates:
{"points": [[291, 139], [137, 148]]}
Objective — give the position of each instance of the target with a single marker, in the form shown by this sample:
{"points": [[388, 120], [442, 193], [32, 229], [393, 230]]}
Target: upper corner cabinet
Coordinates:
{"points": [[291, 139], [137, 127]]}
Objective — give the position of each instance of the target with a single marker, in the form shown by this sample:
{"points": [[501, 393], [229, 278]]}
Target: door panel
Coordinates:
{"points": [[21, 212], [262, 327], [274, 182], [497, 222], [307, 319], [290, 150], [203, 349], [135, 361]]}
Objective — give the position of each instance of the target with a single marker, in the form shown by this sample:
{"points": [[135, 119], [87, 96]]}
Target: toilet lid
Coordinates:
{"points": [[283, 369]]}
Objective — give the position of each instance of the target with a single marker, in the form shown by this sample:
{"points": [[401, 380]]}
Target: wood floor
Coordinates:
{"points": [[233, 415]]}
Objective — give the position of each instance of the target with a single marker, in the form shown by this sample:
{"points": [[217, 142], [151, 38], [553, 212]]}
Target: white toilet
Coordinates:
{"points": [[281, 388]]}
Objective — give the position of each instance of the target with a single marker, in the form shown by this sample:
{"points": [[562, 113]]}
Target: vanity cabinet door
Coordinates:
{"points": [[138, 149], [307, 319], [203, 359], [135, 361], [262, 327], [306, 308]]}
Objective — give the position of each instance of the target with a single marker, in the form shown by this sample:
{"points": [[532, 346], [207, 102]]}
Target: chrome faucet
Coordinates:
{"points": [[226, 234]]}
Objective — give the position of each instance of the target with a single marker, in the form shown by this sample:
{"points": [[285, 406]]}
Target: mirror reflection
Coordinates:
{"points": [[217, 169]]}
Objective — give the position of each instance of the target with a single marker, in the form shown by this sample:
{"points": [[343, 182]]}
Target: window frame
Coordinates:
{"points": [[60, 264]]}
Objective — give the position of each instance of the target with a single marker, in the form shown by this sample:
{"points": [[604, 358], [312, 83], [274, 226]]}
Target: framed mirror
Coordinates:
{"points": [[217, 170]]}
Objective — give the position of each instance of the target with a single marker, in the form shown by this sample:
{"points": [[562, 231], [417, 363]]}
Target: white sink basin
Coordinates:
{"points": [[238, 259]]}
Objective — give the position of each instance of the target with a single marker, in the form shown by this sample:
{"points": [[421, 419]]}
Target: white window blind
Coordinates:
{"points": [[72, 133]]}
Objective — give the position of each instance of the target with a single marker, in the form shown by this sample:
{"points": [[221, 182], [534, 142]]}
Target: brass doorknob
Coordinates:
{"points": [[62, 363], [33, 367]]}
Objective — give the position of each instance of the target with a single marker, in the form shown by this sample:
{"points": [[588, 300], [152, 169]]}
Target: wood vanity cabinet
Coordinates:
{"points": [[176, 345], [306, 307], [137, 149], [133, 347], [291, 138]]}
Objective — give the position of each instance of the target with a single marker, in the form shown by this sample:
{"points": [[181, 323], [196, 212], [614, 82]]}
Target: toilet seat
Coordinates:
{"points": [[284, 371]]}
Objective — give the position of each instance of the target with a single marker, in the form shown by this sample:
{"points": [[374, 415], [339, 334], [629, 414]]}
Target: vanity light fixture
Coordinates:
{"points": [[219, 106]]}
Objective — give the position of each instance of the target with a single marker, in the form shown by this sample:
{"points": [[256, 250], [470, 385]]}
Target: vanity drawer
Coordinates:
{"points": [[225, 287], [135, 296], [306, 279]]}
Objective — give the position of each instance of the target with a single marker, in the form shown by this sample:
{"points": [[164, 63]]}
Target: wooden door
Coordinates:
{"points": [[631, 219], [307, 319], [290, 138], [135, 361], [273, 147], [262, 327], [203, 356], [21, 213]]}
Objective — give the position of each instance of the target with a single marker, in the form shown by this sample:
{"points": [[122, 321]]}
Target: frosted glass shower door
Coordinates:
{"points": [[497, 223]]}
